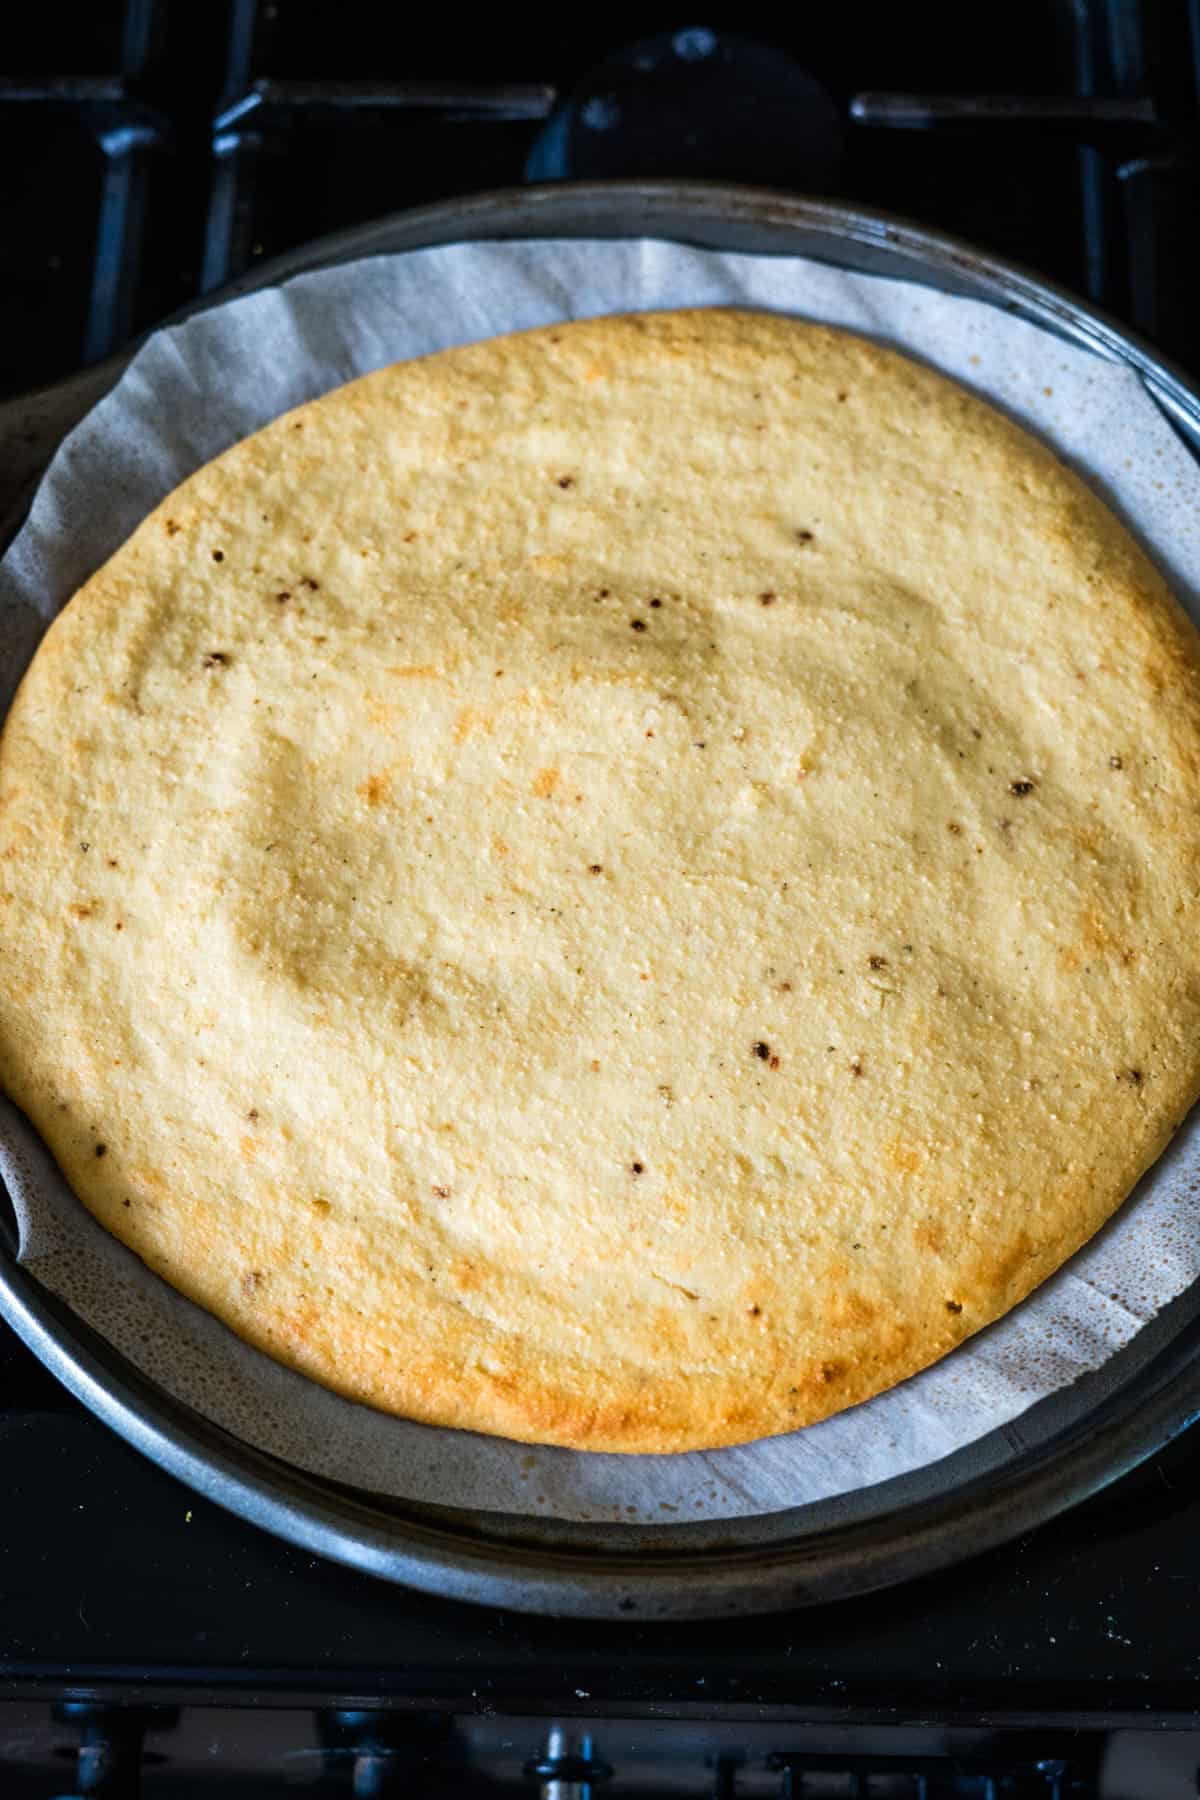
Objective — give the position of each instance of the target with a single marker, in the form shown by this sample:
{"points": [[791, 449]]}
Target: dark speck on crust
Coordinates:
{"points": [[101, 1149], [218, 556], [636, 1168], [637, 624], [1021, 788], [215, 659], [762, 1051]]}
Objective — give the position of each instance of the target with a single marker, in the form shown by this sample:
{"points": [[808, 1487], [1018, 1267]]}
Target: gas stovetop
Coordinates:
{"points": [[119, 1585], [149, 1642], [163, 150]]}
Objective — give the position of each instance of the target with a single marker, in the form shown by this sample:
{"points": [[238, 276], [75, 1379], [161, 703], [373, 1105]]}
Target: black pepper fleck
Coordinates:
{"points": [[101, 1149], [218, 556], [762, 1051], [637, 1168], [877, 962], [1021, 788], [637, 624]]}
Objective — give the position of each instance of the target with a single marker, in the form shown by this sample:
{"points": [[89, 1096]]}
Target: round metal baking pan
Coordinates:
{"points": [[1056, 1454]]}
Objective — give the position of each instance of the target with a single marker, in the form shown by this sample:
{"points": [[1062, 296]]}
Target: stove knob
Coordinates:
{"points": [[380, 1753], [568, 1770], [109, 1755]]}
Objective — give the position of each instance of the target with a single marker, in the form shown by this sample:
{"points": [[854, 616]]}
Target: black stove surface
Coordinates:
{"points": [[111, 1570], [154, 151], [119, 1584]]}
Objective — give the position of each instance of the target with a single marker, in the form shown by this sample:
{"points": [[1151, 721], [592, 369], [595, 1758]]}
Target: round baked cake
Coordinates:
{"points": [[626, 886]]}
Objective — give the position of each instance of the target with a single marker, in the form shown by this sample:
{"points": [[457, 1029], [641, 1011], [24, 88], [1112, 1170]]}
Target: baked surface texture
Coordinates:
{"points": [[626, 886]]}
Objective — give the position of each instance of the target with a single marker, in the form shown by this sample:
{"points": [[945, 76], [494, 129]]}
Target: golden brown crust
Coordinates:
{"points": [[627, 886]]}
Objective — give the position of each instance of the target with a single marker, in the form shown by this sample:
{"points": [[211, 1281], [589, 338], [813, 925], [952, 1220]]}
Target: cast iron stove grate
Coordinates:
{"points": [[162, 149]]}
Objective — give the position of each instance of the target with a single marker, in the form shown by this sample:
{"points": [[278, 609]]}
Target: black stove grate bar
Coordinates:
{"points": [[1084, 116], [273, 103], [124, 131], [62, 90], [123, 134]]}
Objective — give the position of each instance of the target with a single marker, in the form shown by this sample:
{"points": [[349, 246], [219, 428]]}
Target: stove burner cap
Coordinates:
{"points": [[694, 103]]}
